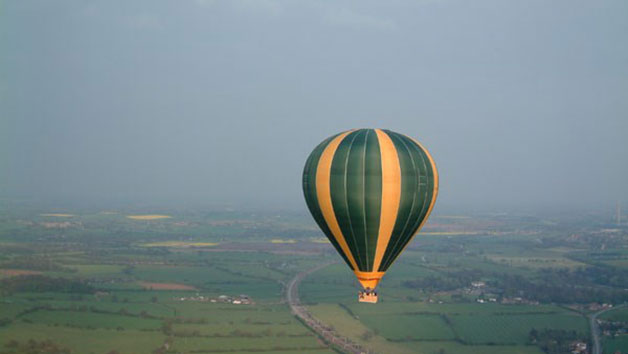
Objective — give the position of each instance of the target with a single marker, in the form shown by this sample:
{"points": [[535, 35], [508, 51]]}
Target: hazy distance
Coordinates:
{"points": [[220, 102]]}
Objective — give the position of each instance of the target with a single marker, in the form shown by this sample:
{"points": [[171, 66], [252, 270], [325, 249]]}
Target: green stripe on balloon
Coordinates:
{"points": [[309, 191], [424, 195], [373, 195], [339, 196]]}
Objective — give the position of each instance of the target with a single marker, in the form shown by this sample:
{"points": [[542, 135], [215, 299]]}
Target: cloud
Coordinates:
{"points": [[145, 21], [206, 3], [266, 7], [351, 19]]}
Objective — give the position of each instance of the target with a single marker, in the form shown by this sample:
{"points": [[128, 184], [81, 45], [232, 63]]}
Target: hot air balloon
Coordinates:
{"points": [[370, 191]]}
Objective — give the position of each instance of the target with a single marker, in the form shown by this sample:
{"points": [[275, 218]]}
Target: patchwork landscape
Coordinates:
{"points": [[214, 281]]}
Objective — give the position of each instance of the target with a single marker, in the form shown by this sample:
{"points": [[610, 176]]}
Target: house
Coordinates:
{"points": [[578, 347]]}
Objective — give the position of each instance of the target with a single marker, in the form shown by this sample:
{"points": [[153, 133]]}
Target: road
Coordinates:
{"points": [[595, 332], [324, 331]]}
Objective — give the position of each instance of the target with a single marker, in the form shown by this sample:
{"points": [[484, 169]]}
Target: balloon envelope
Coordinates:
{"points": [[370, 191]]}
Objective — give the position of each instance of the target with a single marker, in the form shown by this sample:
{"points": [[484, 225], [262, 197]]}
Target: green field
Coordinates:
{"points": [[120, 314], [613, 345], [453, 325], [427, 347], [511, 328], [118, 294], [620, 314], [86, 341], [241, 344], [409, 327], [90, 320]]}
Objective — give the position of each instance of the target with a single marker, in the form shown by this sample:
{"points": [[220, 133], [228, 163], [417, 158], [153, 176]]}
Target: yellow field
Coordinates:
{"points": [[16, 272], [58, 215], [179, 244], [148, 217], [276, 240], [562, 249]]}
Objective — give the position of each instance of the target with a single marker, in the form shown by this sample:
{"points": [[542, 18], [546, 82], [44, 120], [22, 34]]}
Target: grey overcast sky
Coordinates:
{"points": [[520, 102]]}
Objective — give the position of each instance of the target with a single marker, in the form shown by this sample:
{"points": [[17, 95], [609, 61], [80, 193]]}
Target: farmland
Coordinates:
{"points": [[213, 281], [148, 217]]}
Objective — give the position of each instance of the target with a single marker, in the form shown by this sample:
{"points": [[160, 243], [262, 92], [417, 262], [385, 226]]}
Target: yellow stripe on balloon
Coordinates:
{"points": [[391, 194], [323, 193]]}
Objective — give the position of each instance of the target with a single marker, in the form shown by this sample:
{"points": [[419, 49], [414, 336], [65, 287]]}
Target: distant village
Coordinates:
{"points": [[241, 299], [486, 294]]}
